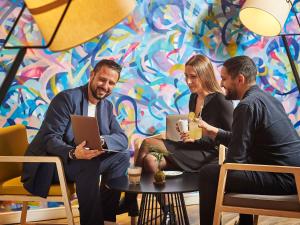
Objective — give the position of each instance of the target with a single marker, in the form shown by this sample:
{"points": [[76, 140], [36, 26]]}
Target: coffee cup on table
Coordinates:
{"points": [[134, 174], [183, 126]]}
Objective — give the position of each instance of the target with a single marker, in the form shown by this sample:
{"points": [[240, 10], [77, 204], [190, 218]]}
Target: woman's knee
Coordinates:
{"points": [[146, 143], [150, 163]]}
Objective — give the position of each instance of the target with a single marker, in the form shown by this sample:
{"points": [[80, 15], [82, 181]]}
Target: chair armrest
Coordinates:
{"points": [[41, 159], [163, 135], [262, 168], [38, 159], [258, 168]]}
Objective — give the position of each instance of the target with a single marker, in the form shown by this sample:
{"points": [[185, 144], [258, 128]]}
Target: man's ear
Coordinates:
{"points": [[241, 79], [92, 74]]}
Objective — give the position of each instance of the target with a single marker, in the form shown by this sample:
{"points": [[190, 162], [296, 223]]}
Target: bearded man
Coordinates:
{"points": [[82, 166], [261, 133]]}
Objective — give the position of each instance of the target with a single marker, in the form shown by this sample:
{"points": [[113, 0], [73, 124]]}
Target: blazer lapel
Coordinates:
{"points": [[85, 102], [98, 115]]}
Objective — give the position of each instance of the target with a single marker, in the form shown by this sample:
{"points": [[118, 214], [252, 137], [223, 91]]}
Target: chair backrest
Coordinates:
{"points": [[13, 142]]}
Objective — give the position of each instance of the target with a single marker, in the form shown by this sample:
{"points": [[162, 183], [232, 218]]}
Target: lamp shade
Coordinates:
{"points": [[265, 17], [84, 19]]}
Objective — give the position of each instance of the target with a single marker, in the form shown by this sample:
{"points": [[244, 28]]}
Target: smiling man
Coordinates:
{"points": [[261, 133], [82, 166]]}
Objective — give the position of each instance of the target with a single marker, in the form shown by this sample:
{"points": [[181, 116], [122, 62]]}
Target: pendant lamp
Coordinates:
{"points": [[65, 24], [267, 18], [84, 19]]}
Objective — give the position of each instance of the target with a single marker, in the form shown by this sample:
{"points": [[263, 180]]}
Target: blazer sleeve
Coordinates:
{"points": [[116, 139], [55, 125]]}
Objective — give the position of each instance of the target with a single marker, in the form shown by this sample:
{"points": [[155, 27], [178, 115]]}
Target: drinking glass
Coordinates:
{"points": [[134, 174], [195, 132]]}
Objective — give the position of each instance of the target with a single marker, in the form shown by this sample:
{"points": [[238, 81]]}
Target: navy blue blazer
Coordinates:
{"points": [[55, 137]]}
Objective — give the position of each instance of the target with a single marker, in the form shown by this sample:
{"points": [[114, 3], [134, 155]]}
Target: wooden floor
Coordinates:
{"points": [[193, 213]]}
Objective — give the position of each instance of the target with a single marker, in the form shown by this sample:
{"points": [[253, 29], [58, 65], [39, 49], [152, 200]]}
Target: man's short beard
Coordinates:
{"points": [[231, 96], [95, 94]]}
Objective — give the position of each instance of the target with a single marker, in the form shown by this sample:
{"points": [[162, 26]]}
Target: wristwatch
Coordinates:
{"points": [[102, 140], [72, 154]]}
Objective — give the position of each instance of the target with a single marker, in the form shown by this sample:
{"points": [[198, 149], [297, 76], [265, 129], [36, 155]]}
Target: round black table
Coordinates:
{"points": [[157, 198]]}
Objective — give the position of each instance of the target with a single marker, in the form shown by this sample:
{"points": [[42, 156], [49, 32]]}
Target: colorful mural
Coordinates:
{"points": [[152, 45]]}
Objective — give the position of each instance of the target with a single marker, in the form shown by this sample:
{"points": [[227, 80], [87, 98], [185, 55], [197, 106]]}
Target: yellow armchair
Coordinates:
{"points": [[13, 143]]}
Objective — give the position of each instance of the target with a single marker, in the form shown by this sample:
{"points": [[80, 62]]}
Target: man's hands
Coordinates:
{"points": [[208, 130], [82, 153]]}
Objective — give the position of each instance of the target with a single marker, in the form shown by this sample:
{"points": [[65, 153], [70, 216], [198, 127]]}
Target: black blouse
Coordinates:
{"points": [[216, 111]]}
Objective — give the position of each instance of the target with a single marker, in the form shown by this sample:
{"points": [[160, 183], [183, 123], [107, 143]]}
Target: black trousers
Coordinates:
{"points": [[239, 182], [97, 203]]}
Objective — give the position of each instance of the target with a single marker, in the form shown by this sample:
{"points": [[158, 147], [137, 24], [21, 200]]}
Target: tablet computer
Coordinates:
{"points": [[86, 128]]}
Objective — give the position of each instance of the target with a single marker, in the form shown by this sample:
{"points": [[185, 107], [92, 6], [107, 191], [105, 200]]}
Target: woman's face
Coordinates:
{"points": [[192, 79]]}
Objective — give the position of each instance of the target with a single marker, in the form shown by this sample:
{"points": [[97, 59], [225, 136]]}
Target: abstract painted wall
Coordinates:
{"points": [[152, 45]]}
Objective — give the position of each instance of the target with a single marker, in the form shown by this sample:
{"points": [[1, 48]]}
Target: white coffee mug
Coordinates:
{"points": [[183, 125]]}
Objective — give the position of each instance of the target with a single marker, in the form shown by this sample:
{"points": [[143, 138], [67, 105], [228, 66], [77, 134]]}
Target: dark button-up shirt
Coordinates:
{"points": [[261, 133]]}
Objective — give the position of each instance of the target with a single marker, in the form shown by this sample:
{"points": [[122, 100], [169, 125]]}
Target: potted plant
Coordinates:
{"points": [[159, 176]]}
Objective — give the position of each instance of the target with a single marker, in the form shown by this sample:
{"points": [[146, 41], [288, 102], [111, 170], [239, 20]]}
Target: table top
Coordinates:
{"points": [[186, 182]]}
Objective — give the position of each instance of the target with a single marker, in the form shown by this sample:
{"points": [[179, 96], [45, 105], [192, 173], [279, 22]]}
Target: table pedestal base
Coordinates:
{"points": [[163, 209]]}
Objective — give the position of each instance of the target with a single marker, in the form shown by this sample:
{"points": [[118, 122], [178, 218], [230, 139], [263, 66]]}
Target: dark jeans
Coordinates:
{"points": [[96, 203], [239, 182]]}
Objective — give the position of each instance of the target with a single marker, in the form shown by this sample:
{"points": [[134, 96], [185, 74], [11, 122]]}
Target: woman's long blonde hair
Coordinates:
{"points": [[205, 72]]}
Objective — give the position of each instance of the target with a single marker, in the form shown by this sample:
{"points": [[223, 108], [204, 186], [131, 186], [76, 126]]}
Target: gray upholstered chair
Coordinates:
{"points": [[269, 205]]}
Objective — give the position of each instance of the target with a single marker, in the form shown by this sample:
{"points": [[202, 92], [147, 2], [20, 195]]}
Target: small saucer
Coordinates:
{"points": [[172, 173]]}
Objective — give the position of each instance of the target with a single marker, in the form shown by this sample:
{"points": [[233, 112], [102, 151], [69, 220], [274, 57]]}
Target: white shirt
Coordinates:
{"points": [[91, 110]]}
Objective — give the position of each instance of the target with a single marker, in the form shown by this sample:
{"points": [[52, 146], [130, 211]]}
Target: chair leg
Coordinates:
{"points": [[24, 213], [217, 217], [68, 208], [133, 220], [65, 194], [255, 220]]}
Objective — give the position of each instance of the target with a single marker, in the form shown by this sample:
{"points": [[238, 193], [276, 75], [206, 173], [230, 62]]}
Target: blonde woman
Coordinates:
{"points": [[206, 100]]}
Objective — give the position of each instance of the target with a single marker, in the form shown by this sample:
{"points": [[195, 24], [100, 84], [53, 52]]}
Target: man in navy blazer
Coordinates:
{"points": [[81, 165]]}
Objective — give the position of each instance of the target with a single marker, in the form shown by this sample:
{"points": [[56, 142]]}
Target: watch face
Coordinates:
{"points": [[72, 154], [102, 140]]}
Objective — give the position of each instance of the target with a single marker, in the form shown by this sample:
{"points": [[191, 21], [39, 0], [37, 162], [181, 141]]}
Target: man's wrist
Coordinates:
{"points": [[220, 135], [72, 154], [102, 140], [215, 133]]}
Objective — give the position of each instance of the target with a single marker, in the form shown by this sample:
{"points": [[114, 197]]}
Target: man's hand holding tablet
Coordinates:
{"points": [[85, 153]]}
